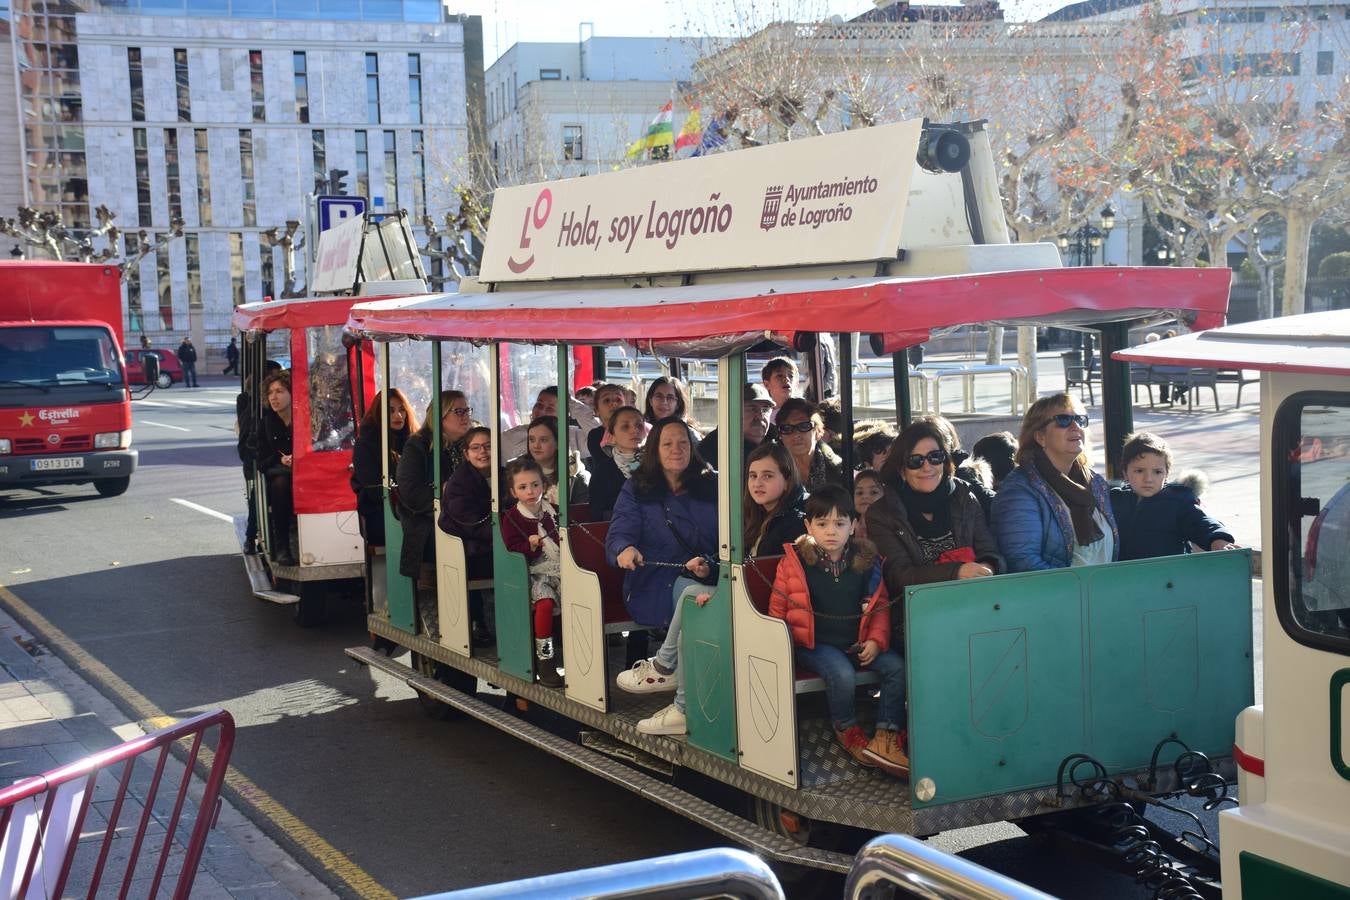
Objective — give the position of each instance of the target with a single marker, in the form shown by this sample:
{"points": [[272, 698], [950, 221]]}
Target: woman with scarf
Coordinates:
{"points": [[1053, 511], [800, 430], [928, 525]]}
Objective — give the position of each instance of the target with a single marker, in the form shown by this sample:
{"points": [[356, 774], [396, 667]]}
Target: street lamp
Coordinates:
{"points": [[16, 253], [1087, 239]]}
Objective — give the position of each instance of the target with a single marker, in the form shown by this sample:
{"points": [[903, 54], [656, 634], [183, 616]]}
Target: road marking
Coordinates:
{"points": [[144, 402], [162, 425], [106, 680], [193, 403], [203, 509]]}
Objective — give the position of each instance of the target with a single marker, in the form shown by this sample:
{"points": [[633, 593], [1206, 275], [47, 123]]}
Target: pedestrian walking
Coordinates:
{"points": [[187, 355], [231, 358]]}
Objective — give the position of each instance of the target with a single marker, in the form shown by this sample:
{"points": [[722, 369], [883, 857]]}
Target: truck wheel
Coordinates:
{"points": [[165, 380], [112, 487]]}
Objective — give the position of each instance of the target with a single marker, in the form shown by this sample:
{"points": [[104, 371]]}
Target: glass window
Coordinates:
{"points": [[164, 281], [253, 9], [212, 8], [339, 10], [238, 291], [255, 77], [267, 267], [362, 164], [421, 11], [331, 423], [180, 73], [144, 210], [390, 170], [373, 88], [550, 74], [1312, 519], [137, 84], [132, 242], [1325, 61], [194, 271], [415, 87], [172, 175], [301, 87], [572, 142], [203, 153], [317, 143], [419, 161], [381, 10], [246, 176]]}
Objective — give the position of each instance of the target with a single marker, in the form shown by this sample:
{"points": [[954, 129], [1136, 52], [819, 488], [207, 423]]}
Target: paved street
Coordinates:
{"points": [[337, 763]]}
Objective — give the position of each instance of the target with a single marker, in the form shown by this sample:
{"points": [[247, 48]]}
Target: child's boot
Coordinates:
{"points": [[884, 752], [543, 666], [854, 740]]}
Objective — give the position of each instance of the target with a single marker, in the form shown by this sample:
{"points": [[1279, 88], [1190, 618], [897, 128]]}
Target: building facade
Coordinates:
{"points": [[561, 110], [220, 117]]}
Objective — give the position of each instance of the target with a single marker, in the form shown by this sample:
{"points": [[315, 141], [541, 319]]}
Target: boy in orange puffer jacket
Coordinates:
{"points": [[829, 591]]}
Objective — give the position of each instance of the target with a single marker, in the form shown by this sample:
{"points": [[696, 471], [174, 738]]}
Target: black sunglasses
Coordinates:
{"points": [[1064, 420], [933, 457], [799, 428]]}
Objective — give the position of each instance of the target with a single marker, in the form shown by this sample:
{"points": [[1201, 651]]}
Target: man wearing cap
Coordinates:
{"points": [[756, 405]]}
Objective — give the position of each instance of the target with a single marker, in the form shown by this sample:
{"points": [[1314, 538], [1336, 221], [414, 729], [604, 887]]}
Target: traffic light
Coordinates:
{"points": [[335, 181]]}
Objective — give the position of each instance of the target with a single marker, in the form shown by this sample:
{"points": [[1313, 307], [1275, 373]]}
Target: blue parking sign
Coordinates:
{"points": [[335, 210]]}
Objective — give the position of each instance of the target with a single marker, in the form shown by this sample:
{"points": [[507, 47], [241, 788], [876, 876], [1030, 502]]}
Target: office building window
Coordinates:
{"points": [[550, 74], [390, 170], [246, 176], [180, 76], [301, 87], [203, 153], [415, 87], [255, 79], [572, 142], [164, 282], [362, 164], [1326, 60], [173, 175], [237, 287], [419, 161], [373, 88], [267, 267], [134, 308], [317, 144], [137, 84], [144, 210], [193, 243]]}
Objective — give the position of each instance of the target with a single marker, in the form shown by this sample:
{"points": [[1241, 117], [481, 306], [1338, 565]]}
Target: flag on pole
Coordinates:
{"points": [[714, 136], [659, 134], [692, 132]]}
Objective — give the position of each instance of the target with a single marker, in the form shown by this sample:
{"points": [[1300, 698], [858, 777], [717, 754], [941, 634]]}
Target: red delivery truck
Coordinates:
{"points": [[65, 410]]}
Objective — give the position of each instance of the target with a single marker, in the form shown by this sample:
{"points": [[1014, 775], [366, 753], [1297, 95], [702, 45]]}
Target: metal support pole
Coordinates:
{"points": [[1118, 411], [845, 376], [900, 364]]}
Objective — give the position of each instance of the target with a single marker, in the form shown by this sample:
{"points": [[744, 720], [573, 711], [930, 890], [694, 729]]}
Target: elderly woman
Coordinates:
{"points": [[928, 524], [1053, 511], [800, 430], [664, 535]]}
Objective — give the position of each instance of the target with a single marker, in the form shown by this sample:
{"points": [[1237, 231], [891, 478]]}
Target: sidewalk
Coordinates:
{"points": [[49, 716]]}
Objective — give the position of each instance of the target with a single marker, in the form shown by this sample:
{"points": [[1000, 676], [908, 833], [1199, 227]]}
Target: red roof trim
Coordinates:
{"points": [[297, 313]]}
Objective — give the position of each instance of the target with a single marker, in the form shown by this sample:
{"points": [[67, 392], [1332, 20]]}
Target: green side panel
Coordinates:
{"points": [[1265, 879], [1008, 676], [705, 636], [515, 642], [398, 586]]}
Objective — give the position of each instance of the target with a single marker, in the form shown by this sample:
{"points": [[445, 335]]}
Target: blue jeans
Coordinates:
{"points": [[669, 655], [839, 671]]}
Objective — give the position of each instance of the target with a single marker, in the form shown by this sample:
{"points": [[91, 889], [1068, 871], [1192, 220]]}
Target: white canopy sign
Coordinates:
{"points": [[836, 198]]}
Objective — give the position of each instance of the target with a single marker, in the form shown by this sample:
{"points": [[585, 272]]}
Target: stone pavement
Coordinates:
{"points": [[49, 717]]}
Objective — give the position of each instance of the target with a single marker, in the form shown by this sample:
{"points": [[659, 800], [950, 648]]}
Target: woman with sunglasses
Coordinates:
{"points": [[928, 524], [800, 429], [1053, 511]]}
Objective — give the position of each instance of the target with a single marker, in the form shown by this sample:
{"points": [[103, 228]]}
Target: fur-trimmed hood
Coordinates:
{"points": [[864, 552]]}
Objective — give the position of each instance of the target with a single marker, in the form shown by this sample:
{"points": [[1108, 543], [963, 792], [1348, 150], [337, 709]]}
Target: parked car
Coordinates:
{"points": [[170, 369]]}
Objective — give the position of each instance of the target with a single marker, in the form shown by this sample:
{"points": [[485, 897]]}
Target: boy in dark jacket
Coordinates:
{"points": [[1156, 517]]}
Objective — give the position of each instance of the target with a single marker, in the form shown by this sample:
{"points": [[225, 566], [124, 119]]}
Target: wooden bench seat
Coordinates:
{"points": [[759, 575]]}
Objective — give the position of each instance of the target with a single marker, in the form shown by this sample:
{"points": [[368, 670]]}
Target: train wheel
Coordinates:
{"points": [[312, 609], [807, 832], [448, 675]]}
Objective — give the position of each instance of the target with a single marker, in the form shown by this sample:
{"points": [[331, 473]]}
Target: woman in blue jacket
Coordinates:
{"points": [[1053, 511], [664, 535]]}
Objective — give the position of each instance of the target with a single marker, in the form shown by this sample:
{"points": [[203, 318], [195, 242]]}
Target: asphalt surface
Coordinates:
{"points": [[156, 591]]}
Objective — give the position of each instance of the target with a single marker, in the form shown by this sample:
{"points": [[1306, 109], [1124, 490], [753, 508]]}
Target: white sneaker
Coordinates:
{"points": [[670, 720], [644, 679]]}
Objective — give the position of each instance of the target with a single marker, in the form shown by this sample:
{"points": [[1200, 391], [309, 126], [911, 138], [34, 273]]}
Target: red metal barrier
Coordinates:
{"points": [[39, 845]]}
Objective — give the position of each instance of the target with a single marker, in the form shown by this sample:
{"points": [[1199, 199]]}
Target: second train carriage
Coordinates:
{"points": [[1008, 676]]}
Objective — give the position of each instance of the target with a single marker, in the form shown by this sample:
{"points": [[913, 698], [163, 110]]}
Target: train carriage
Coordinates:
{"points": [[1008, 678]]}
